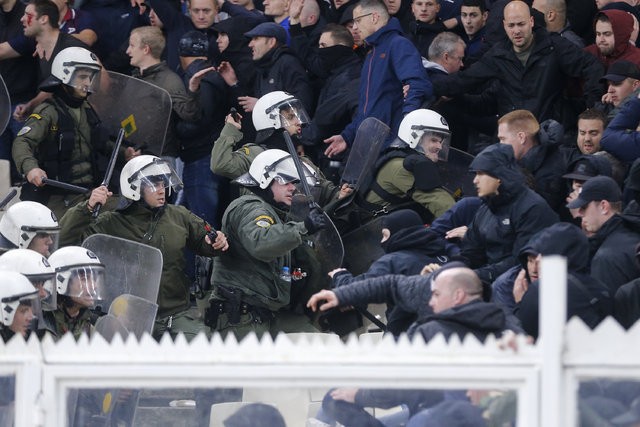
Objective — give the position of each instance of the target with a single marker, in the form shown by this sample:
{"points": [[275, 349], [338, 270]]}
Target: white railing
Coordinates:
{"points": [[545, 375]]}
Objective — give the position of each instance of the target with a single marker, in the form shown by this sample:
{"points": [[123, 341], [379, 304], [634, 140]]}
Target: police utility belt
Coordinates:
{"points": [[234, 308]]}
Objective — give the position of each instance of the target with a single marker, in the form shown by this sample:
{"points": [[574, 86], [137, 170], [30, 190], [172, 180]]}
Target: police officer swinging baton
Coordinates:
{"points": [[110, 167]]}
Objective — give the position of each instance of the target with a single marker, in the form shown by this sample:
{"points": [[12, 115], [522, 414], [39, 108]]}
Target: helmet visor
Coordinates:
{"points": [[158, 174], [42, 240], [293, 116], [45, 286], [86, 284], [84, 80], [434, 144], [27, 315]]}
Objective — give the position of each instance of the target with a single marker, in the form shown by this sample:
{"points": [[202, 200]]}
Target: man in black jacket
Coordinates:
{"points": [[532, 68], [455, 300]]}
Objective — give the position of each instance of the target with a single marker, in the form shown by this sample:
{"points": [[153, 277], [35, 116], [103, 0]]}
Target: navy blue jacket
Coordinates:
{"points": [[392, 61], [620, 138]]}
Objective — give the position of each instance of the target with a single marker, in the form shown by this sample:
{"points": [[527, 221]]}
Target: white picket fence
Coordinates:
{"points": [[546, 375]]}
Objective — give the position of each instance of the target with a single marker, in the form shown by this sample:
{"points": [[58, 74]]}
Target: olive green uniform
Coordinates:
{"points": [[396, 180], [230, 163], [58, 322], [251, 271], [170, 229], [40, 130]]}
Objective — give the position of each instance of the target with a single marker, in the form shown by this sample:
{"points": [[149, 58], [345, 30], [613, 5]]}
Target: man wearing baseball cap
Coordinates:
{"points": [[277, 68], [623, 79], [612, 236]]}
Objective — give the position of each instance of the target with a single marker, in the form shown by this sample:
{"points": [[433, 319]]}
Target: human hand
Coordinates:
{"points": [[130, 153], [194, 81], [139, 4], [345, 190], [35, 175], [21, 112], [220, 243], [335, 270], [346, 394], [520, 285], [315, 220], [247, 103], [429, 268], [456, 233], [227, 73], [295, 9], [330, 298], [337, 145], [234, 119], [98, 195]]}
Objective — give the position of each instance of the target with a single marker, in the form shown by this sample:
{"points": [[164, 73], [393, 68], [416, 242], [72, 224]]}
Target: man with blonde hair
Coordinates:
{"points": [[537, 150]]}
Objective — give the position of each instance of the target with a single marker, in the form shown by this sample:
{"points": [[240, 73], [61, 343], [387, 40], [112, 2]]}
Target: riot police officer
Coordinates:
{"points": [[35, 267], [29, 225], [253, 281], [406, 175], [62, 138], [17, 305], [144, 216]]}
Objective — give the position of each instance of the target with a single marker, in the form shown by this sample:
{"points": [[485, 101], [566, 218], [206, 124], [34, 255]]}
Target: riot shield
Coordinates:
{"points": [[109, 325], [326, 243], [140, 108], [455, 174], [364, 151], [130, 267], [136, 314], [5, 106], [362, 246]]}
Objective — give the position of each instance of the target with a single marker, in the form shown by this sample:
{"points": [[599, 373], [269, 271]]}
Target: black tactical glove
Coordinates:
{"points": [[315, 220]]}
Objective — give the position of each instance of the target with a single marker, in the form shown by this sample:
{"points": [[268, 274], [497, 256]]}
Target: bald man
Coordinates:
{"points": [[455, 302], [533, 67]]}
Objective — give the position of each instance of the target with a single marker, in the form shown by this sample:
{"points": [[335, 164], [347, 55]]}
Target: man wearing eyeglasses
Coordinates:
{"points": [[391, 62]]}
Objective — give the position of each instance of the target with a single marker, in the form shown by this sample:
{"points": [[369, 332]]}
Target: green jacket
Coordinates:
{"points": [[260, 246], [398, 181], [232, 163], [40, 130], [170, 229], [59, 322]]}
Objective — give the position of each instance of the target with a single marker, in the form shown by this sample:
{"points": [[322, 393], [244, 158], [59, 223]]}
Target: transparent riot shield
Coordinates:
{"points": [[140, 108], [365, 150], [326, 243], [362, 246], [130, 268], [136, 314], [5, 106], [109, 326], [455, 174]]}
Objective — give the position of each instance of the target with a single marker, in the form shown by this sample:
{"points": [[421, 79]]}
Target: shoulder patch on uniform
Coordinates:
{"points": [[36, 116], [245, 150], [24, 130], [264, 221]]}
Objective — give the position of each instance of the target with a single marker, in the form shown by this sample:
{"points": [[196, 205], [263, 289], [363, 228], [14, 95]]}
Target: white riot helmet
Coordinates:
{"points": [[79, 273], [76, 67], [15, 289], [25, 221], [418, 126], [148, 171], [37, 269], [274, 164], [277, 110]]}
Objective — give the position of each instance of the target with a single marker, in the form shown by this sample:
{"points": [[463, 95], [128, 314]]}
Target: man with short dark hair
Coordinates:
{"points": [[473, 14], [278, 68], [623, 80], [613, 236], [591, 124], [391, 63]]}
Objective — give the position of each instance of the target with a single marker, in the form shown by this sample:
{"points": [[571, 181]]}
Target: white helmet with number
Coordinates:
{"points": [[147, 170], [34, 267], [25, 220], [75, 67], [15, 289], [275, 164], [277, 110], [78, 272], [423, 122]]}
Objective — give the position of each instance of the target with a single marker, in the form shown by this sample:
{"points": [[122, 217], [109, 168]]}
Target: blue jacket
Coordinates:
{"points": [[620, 138], [392, 60]]}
